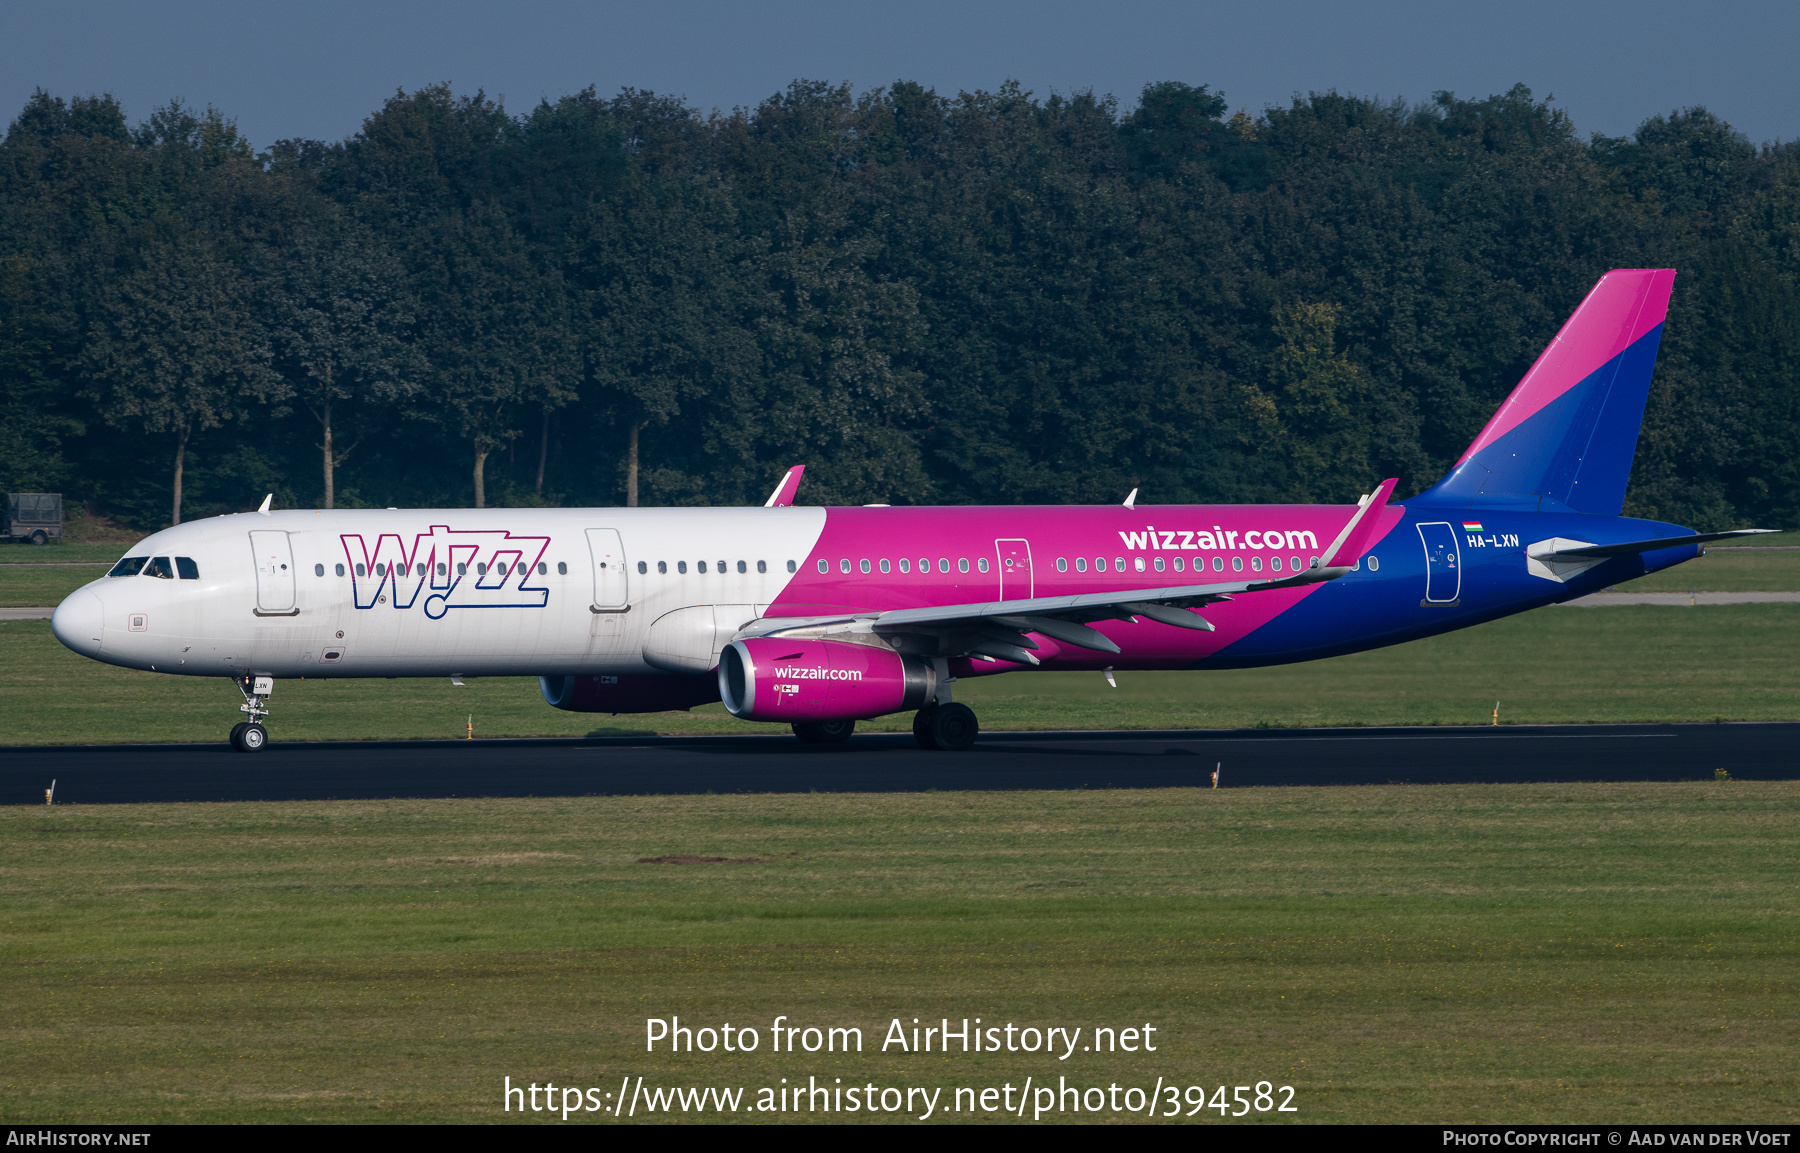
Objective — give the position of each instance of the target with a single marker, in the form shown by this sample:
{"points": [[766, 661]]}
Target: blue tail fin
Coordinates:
{"points": [[1565, 438]]}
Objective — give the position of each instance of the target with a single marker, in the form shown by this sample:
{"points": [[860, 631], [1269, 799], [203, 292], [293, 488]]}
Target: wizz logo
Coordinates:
{"points": [[454, 569]]}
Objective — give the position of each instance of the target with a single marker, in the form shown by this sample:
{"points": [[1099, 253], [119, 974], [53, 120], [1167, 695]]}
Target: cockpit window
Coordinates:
{"points": [[160, 567], [130, 566], [187, 568]]}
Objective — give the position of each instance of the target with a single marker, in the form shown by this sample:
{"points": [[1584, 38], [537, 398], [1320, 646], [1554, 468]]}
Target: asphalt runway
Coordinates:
{"points": [[105, 774]]}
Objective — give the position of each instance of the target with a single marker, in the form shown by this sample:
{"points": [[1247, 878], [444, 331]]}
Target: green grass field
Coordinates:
{"points": [[1553, 953], [1553, 665], [1721, 570]]}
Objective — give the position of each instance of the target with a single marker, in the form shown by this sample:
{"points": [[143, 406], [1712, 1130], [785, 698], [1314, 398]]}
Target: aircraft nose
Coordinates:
{"points": [[77, 620]]}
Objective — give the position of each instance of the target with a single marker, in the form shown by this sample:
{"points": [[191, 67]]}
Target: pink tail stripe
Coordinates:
{"points": [[1623, 306]]}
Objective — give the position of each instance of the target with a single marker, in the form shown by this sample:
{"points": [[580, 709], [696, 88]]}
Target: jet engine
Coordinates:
{"points": [[781, 679], [628, 692]]}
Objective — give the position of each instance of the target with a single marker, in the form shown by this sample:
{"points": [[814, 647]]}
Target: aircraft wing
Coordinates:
{"points": [[999, 629]]}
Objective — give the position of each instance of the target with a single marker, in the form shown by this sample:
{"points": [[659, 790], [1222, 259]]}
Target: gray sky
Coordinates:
{"points": [[317, 69]]}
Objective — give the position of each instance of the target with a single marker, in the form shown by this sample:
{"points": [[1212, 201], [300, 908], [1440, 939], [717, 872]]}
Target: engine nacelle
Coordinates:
{"points": [[782, 679], [628, 692]]}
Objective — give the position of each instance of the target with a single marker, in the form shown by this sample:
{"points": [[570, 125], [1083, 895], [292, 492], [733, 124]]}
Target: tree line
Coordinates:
{"points": [[986, 297]]}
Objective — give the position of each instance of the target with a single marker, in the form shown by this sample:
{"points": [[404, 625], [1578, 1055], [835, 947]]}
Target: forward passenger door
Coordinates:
{"points": [[275, 589]]}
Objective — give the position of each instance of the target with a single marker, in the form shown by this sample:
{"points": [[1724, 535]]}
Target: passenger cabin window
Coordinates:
{"points": [[1178, 564], [905, 565], [762, 566], [700, 566], [844, 565], [161, 568], [792, 566], [443, 569], [981, 564], [462, 569], [643, 567], [1255, 564], [864, 566], [130, 566], [360, 571], [943, 564], [680, 566], [340, 570], [662, 566], [1099, 564], [962, 564], [1218, 564], [1062, 564], [1159, 564], [885, 566], [1237, 564], [1274, 564], [318, 570], [824, 566], [742, 567]]}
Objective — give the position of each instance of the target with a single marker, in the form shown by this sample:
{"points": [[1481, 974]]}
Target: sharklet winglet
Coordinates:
{"points": [[784, 493]]}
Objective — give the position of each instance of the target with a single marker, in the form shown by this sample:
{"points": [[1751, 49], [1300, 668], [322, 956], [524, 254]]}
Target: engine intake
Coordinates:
{"points": [[780, 679]]}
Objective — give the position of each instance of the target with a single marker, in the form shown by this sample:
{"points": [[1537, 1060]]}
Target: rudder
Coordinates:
{"points": [[1564, 439]]}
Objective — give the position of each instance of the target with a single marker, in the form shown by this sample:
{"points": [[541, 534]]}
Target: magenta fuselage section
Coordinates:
{"points": [[871, 560]]}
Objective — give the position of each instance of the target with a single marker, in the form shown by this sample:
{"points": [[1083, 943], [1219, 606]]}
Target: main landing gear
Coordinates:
{"points": [[951, 727], [824, 732], [250, 736]]}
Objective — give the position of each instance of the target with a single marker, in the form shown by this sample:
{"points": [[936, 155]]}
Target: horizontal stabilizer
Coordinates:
{"points": [[1602, 551], [1559, 559]]}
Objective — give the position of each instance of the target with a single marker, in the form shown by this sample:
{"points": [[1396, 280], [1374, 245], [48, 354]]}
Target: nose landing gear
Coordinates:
{"points": [[250, 736]]}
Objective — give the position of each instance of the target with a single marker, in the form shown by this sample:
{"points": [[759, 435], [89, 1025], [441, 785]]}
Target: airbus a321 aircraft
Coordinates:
{"points": [[819, 617]]}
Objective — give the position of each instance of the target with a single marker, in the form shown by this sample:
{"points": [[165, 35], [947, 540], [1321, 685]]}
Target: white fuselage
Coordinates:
{"points": [[417, 592]]}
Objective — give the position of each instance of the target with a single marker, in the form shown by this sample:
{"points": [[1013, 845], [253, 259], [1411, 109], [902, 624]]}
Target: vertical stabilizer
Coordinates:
{"points": [[1565, 437]]}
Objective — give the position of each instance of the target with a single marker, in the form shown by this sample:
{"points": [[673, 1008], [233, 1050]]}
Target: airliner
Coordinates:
{"points": [[819, 617]]}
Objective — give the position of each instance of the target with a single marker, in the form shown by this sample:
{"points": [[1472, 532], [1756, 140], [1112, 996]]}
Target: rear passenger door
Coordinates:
{"points": [[1443, 570]]}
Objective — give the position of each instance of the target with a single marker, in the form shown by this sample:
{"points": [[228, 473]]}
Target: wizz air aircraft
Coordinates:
{"points": [[820, 617]]}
